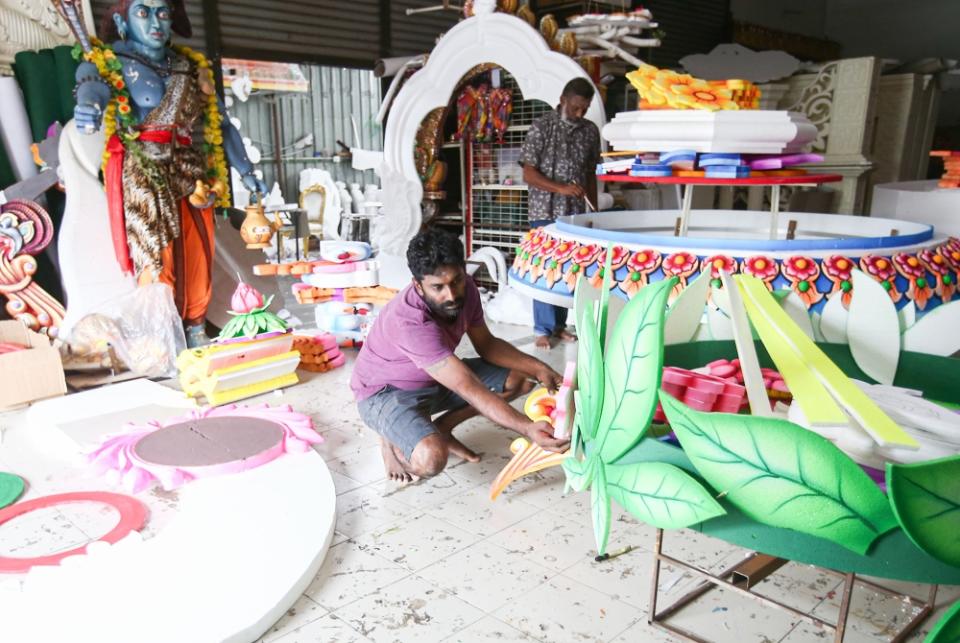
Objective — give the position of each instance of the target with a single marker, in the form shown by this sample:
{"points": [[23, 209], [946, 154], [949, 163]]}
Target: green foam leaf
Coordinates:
{"points": [[580, 473], [11, 487], [600, 507], [633, 368], [926, 501], [782, 475], [607, 283], [589, 376], [947, 629], [661, 494]]}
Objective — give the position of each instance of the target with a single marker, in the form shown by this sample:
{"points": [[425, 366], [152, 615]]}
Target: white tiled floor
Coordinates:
{"points": [[438, 561]]}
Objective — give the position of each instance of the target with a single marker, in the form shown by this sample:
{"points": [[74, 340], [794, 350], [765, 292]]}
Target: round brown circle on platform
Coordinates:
{"points": [[209, 441]]}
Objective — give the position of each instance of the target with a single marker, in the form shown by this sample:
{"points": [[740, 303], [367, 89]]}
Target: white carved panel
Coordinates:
{"points": [[28, 25]]}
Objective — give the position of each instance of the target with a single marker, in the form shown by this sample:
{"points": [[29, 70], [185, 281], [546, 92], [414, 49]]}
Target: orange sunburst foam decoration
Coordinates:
{"points": [[527, 458]]}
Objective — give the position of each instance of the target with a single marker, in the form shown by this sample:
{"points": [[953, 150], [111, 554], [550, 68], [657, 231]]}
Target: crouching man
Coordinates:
{"points": [[407, 373]]}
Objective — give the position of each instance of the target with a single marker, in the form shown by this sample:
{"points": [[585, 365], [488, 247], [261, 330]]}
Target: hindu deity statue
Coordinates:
{"points": [[167, 143]]}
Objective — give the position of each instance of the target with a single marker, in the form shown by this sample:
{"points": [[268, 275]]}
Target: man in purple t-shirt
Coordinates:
{"points": [[406, 372]]}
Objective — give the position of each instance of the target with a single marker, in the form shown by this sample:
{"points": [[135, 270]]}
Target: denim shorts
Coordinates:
{"points": [[404, 417]]}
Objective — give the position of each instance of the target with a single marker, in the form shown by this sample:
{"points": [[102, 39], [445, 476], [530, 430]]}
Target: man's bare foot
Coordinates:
{"points": [[565, 336], [392, 463], [461, 450], [543, 343]]}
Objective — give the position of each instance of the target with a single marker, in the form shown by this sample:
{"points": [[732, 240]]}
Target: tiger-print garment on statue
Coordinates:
{"points": [[157, 175]]}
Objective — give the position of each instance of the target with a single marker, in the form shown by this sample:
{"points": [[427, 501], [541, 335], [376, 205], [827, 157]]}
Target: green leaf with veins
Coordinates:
{"points": [[632, 370], [661, 494], [600, 506], [783, 475], [926, 500]]}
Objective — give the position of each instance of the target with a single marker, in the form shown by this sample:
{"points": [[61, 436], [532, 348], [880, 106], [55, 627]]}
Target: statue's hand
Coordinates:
{"points": [[254, 184], [87, 117]]}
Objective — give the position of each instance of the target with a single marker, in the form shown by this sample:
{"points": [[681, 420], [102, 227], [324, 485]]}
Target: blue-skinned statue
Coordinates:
{"points": [[167, 144]]}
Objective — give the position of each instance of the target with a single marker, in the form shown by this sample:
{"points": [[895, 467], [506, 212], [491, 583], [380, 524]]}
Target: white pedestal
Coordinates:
{"points": [[919, 201]]}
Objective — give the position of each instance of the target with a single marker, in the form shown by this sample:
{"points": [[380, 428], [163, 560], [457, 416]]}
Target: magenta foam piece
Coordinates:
{"points": [[707, 384], [675, 376], [723, 371]]}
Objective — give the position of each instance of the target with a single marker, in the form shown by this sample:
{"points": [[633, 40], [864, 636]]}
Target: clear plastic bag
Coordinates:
{"points": [[143, 327]]}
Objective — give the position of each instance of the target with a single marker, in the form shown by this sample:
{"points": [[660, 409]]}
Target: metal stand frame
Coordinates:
{"points": [[747, 573]]}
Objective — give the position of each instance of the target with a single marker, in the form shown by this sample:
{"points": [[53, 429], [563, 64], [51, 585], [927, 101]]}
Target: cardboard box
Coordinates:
{"points": [[32, 374]]}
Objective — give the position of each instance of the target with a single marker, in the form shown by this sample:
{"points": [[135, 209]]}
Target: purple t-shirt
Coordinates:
{"points": [[406, 339]]}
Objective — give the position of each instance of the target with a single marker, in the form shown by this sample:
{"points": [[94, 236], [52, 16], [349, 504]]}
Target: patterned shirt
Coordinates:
{"points": [[562, 152]]}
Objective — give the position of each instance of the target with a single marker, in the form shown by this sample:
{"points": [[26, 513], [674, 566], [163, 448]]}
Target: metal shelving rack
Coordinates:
{"points": [[495, 195]]}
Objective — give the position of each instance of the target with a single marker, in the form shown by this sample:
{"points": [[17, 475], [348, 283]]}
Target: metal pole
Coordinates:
{"points": [[685, 209], [850, 580], [774, 210], [657, 548]]}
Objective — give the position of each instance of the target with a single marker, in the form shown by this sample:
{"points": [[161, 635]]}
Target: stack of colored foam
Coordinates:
{"points": [[319, 352], [306, 294], [232, 370], [701, 392], [730, 370], [951, 168], [252, 355]]}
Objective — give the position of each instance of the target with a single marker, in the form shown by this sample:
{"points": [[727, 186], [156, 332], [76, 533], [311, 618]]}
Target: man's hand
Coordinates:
{"points": [[574, 190], [542, 434], [549, 378]]}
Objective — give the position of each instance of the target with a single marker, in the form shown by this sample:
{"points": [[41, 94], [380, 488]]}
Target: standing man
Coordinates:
{"points": [[559, 158], [407, 373]]}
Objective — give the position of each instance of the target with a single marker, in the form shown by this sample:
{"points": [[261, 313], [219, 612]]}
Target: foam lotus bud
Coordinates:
{"points": [[245, 299]]}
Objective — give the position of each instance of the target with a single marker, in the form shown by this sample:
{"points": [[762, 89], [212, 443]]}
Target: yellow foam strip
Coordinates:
{"points": [[867, 414], [818, 406], [242, 392]]}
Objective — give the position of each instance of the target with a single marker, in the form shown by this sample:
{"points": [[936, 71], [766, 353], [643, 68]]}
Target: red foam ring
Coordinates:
{"points": [[132, 512]]}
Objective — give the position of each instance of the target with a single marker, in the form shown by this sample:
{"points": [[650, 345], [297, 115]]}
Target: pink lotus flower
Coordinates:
{"points": [[940, 269], [679, 264], [838, 268], [245, 299], [618, 259], [801, 268], [951, 254], [716, 263], [564, 251], [883, 271], [761, 267], [802, 273], [639, 265], [910, 267]]}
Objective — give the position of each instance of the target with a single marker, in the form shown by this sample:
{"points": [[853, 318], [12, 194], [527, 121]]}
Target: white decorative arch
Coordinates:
{"points": [[498, 38]]}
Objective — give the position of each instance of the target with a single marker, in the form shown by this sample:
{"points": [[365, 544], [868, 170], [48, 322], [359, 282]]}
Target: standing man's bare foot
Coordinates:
{"points": [[565, 336], [392, 464], [461, 450], [543, 343]]}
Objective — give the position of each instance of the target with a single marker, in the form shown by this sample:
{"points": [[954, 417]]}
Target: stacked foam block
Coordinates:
{"points": [[951, 168], [319, 352]]}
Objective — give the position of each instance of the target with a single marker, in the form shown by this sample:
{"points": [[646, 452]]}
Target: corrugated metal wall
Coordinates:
{"points": [[691, 26], [336, 95], [417, 34], [194, 10]]}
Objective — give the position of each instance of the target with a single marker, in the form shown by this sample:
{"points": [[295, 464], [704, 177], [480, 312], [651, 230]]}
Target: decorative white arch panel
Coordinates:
{"points": [[496, 38]]}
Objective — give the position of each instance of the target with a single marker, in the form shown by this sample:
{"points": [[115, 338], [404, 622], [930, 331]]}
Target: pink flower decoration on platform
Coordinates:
{"points": [[839, 270], [883, 271], [761, 267], [680, 265], [620, 257], [561, 252], [639, 266], [802, 273], [910, 267], [538, 263], [582, 257], [940, 269], [117, 456], [716, 263]]}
